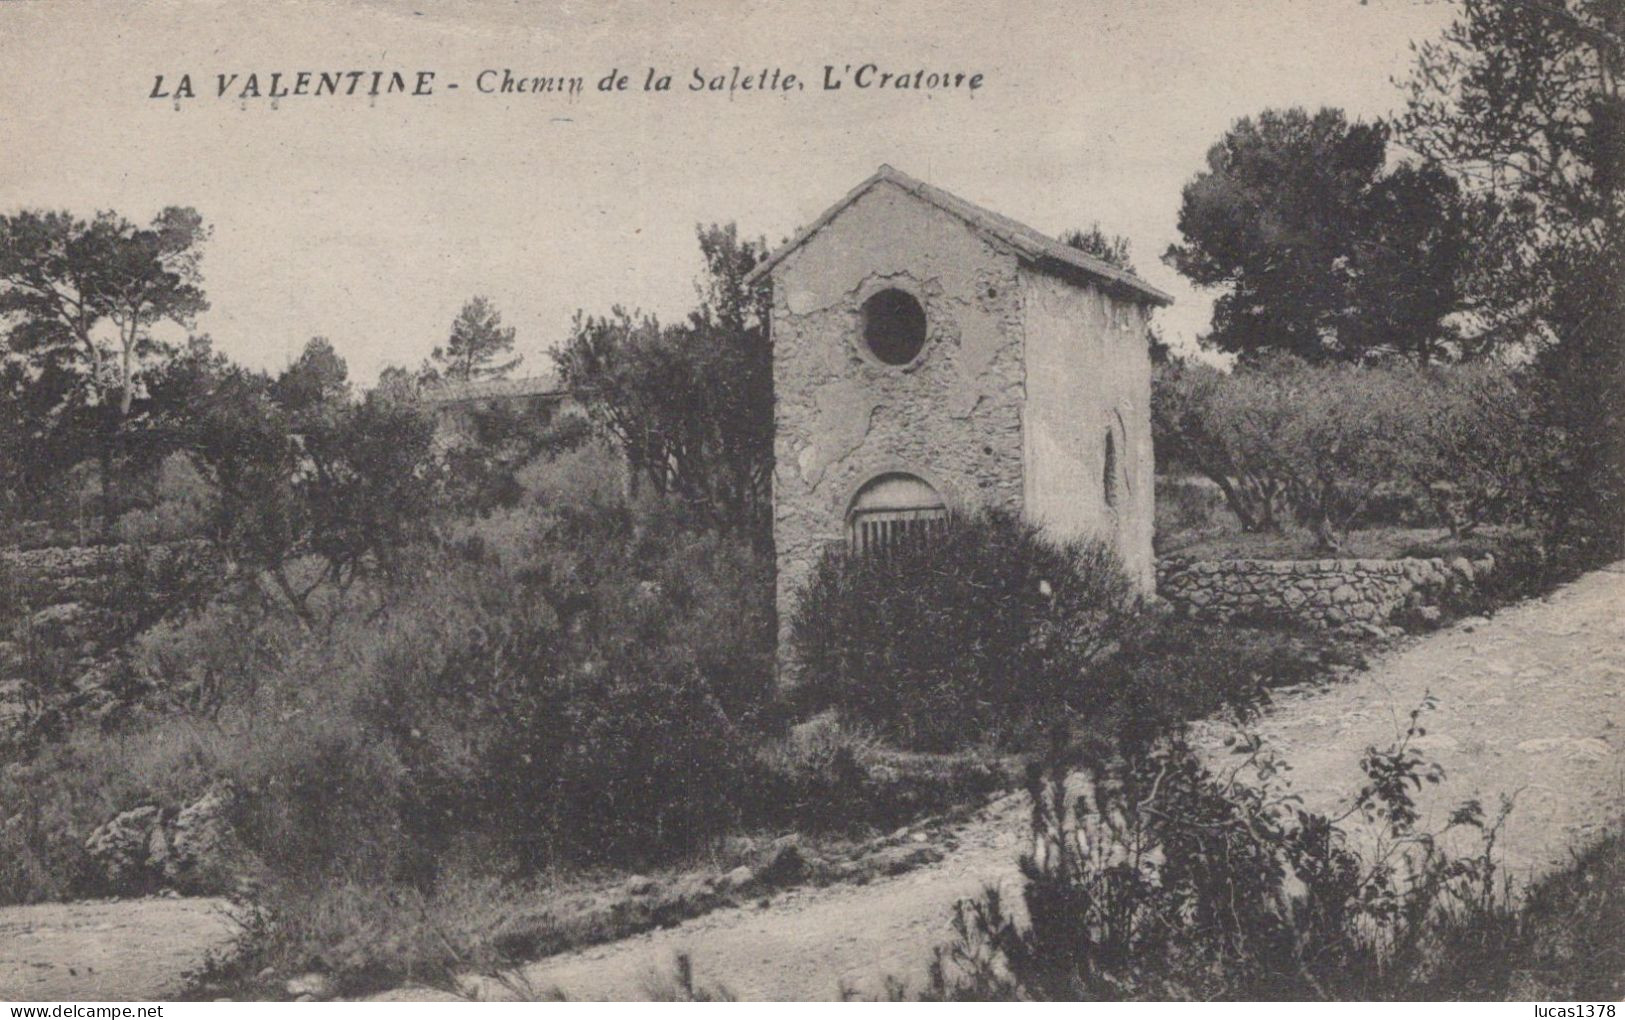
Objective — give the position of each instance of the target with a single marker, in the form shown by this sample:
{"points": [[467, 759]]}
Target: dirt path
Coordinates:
{"points": [[128, 950], [1531, 702]]}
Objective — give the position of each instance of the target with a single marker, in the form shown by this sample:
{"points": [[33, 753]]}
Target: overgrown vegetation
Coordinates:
{"points": [[1323, 250], [690, 405], [430, 676], [992, 631], [1155, 876], [966, 637], [1345, 446], [1503, 245]]}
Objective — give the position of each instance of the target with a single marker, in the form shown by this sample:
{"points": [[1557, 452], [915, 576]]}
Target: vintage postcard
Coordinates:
{"points": [[810, 501]]}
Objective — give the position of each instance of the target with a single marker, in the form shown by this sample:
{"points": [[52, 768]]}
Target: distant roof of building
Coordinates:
{"points": [[1026, 243], [454, 391]]}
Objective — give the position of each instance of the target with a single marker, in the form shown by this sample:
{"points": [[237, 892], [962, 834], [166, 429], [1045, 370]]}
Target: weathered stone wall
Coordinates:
{"points": [[1322, 593], [952, 417], [1088, 375]]}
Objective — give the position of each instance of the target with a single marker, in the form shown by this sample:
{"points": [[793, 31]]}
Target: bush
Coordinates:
{"points": [[971, 636], [825, 776], [1155, 877], [1172, 670], [574, 689], [178, 507], [587, 701], [1186, 509]]}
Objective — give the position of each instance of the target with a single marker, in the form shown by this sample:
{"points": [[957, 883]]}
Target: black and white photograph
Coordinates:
{"points": [[538, 501]]}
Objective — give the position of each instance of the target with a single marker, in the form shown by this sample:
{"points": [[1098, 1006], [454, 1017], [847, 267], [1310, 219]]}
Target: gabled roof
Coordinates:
{"points": [[1021, 240], [456, 391]]}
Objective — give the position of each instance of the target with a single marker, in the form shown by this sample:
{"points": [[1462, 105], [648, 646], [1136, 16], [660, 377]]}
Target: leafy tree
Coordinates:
{"points": [[83, 297], [1337, 443], [1296, 217], [1474, 445], [318, 379], [1218, 425], [477, 340], [38, 433], [313, 488], [397, 383], [1323, 440], [1522, 102], [691, 405]]}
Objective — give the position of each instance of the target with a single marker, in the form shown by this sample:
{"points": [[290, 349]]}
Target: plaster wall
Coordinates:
{"points": [[952, 417], [1088, 373]]}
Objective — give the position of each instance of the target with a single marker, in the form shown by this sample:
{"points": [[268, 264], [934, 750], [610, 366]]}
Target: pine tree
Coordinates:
{"points": [[477, 340]]}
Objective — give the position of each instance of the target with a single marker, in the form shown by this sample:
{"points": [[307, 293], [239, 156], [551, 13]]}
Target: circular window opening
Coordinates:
{"points": [[894, 326]]}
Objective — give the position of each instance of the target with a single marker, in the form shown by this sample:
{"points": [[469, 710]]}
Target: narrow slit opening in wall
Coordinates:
{"points": [[1108, 480]]}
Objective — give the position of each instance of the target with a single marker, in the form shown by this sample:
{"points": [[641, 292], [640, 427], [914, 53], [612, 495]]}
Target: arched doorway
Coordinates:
{"points": [[892, 509]]}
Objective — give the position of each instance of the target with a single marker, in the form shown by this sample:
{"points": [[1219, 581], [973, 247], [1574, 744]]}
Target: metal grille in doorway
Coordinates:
{"points": [[879, 530]]}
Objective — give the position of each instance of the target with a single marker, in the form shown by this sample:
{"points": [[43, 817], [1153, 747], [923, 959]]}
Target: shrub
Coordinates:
{"points": [[970, 636], [177, 506], [1172, 670], [586, 702], [1156, 877], [1186, 509], [582, 688], [825, 776]]}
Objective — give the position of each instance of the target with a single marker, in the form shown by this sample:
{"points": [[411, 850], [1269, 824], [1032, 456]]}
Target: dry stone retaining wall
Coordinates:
{"points": [[1320, 593]]}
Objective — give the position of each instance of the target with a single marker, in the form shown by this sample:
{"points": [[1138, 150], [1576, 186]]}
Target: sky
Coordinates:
{"points": [[371, 220]]}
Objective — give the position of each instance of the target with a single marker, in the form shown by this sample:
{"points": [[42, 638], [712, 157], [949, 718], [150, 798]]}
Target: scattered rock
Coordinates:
{"points": [[783, 864], [204, 852], [195, 850], [895, 860], [1364, 629], [640, 885], [308, 987], [738, 878], [119, 848]]}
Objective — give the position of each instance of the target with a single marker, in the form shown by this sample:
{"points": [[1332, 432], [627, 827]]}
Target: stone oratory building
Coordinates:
{"points": [[930, 355]]}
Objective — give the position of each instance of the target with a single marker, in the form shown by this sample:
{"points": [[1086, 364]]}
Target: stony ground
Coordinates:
{"points": [[1531, 704]]}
